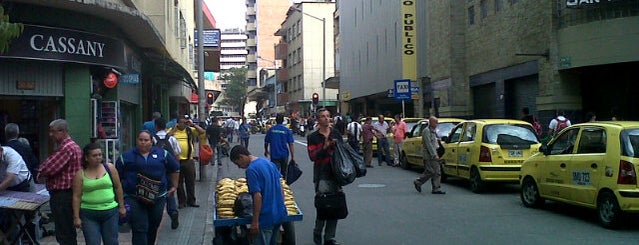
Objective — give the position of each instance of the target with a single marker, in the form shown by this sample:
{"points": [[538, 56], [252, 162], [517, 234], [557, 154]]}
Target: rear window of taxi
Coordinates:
{"points": [[630, 142], [507, 134]]}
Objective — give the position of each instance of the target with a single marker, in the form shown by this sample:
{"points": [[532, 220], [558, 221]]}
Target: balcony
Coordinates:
{"points": [[281, 51], [251, 58], [282, 75], [250, 26], [250, 10], [251, 42], [251, 74]]}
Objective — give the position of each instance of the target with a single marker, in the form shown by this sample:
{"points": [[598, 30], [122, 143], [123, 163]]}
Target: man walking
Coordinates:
{"points": [[280, 139], [432, 168], [185, 132], [58, 172], [399, 134], [214, 132], [162, 136], [229, 125], [264, 185], [354, 133]]}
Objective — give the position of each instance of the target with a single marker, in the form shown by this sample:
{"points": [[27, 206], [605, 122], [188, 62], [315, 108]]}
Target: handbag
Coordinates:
{"points": [[293, 172], [206, 153], [331, 205], [148, 189]]}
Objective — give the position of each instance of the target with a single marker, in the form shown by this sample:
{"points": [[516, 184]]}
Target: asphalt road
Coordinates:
{"points": [[384, 208]]}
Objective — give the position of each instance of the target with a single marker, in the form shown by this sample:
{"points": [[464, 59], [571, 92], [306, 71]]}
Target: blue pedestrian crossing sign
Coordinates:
{"points": [[402, 89]]}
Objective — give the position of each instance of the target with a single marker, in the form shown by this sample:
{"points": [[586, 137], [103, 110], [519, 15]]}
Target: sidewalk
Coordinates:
{"points": [[196, 224]]}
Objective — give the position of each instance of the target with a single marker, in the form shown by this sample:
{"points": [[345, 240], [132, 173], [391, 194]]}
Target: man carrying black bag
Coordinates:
{"points": [[321, 146], [281, 141]]}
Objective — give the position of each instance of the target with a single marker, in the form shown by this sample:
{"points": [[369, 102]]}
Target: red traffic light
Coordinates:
{"points": [[315, 98], [209, 95], [209, 98]]}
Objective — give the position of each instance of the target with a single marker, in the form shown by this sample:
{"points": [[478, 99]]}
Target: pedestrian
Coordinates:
{"points": [[58, 171], [263, 180], [383, 149], [558, 123], [12, 132], [229, 126], [214, 134], [591, 116], [399, 135], [321, 146], [526, 116], [150, 125], [175, 150], [244, 132], [281, 142], [186, 132], [14, 176], [98, 200], [367, 141], [353, 132], [432, 165], [145, 171]]}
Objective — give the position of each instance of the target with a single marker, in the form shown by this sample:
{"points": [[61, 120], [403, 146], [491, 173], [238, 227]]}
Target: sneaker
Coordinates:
{"points": [[418, 187], [174, 221], [438, 192]]}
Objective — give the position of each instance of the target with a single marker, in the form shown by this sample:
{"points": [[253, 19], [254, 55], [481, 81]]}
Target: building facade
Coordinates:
{"points": [[104, 66]]}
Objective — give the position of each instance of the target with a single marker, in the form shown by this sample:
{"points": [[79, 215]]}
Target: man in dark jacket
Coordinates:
{"points": [[12, 132]]}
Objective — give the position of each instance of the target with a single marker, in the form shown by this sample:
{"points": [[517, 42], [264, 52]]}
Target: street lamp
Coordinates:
{"points": [[323, 20]]}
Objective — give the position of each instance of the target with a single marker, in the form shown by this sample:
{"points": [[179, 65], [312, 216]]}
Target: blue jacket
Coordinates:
{"points": [[158, 164]]}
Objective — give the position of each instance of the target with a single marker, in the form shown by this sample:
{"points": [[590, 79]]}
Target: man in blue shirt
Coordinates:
{"points": [[264, 185], [281, 140], [150, 125]]}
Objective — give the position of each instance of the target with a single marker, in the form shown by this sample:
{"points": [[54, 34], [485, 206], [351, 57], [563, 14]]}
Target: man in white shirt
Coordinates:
{"points": [[383, 148], [14, 174], [354, 132], [229, 125]]}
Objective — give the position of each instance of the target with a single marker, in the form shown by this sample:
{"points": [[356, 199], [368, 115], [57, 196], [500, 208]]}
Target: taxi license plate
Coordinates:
{"points": [[515, 153]]}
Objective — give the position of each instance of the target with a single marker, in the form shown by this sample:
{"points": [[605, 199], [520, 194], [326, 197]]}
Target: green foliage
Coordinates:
{"points": [[8, 30], [235, 94]]}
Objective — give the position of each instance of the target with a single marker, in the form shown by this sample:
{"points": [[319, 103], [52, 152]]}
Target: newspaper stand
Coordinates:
{"points": [[233, 231]]}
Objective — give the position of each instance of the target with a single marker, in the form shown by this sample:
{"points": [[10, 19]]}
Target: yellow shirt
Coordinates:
{"points": [[182, 138]]}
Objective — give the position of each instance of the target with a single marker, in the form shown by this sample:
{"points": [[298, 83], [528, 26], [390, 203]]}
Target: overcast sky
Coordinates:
{"points": [[228, 13]]}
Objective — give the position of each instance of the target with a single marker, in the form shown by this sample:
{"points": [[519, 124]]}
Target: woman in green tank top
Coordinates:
{"points": [[98, 201]]}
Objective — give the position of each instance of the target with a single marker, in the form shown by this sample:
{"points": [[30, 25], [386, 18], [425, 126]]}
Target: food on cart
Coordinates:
{"points": [[289, 201]]}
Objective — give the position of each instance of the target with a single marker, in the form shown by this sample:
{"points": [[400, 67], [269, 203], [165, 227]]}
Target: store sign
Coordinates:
{"points": [[580, 3], [111, 80], [57, 44], [133, 78], [25, 85], [409, 39], [211, 38]]}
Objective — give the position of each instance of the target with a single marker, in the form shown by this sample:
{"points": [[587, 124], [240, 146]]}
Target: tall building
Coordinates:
{"points": [[263, 19], [306, 50], [232, 55]]}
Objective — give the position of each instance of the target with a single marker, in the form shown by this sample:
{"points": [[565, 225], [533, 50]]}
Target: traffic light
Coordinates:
{"points": [[209, 98], [315, 98]]}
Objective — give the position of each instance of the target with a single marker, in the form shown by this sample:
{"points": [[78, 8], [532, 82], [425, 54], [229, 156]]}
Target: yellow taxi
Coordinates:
{"points": [[388, 135], [488, 150], [413, 149], [271, 122], [593, 165]]}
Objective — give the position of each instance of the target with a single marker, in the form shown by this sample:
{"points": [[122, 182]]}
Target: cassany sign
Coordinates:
{"points": [[57, 44], [580, 3]]}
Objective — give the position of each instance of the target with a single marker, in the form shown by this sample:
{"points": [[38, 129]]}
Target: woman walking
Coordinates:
{"points": [[97, 198]]}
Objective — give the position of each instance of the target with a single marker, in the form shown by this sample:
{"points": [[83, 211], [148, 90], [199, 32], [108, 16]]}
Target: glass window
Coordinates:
{"points": [[471, 15], [443, 129], [498, 5], [469, 134], [483, 5], [564, 143], [592, 140], [455, 134], [630, 142], [508, 134]]}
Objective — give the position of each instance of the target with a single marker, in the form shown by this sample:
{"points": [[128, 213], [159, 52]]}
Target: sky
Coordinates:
{"points": [[228, 13]]}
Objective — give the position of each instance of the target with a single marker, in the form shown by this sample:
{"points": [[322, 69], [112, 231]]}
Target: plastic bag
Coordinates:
{"points": [[357, 159], [243, 206], [293, 172], [342, 165]]}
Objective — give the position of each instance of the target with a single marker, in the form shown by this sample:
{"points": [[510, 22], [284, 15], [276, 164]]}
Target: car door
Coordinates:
{"points": [[413, 145], [555, 178], [587, 165], [451, 159], [468, 149]]}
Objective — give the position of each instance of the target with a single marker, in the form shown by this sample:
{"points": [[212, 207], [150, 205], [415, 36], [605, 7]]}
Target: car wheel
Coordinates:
{"points": [[403, 162], [476, 184], [608, 209], [530, 194]]}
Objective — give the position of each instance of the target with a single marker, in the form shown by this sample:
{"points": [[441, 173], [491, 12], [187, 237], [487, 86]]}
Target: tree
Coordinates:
{"points": [[235, 93], [8, 30]]}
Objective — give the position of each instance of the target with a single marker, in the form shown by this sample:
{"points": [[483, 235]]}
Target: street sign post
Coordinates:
{"points": [[402, 91]]}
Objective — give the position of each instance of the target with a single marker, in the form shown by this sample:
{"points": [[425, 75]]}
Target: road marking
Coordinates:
{"points": [[371, 185], [301, 143]]}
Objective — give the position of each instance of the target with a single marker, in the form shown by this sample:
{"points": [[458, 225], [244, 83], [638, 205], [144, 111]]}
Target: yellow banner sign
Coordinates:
{"points": [[409, 40]]}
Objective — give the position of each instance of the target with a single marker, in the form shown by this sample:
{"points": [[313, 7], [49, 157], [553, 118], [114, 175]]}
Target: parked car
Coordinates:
{"points": [[271, 122], [488, 150], [592, 165], [412, 154]]}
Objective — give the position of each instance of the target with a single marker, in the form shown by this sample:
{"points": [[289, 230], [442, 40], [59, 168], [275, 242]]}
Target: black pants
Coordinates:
{"points": [[62, 216]]}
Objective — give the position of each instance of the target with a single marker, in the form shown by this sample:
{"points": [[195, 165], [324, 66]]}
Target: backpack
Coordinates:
{"points": [[165, 144], [537, 126], [561, 124]]}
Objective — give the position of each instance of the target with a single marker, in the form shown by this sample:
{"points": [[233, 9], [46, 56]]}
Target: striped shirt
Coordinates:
{"points": [[60, 168], [320, 157]]}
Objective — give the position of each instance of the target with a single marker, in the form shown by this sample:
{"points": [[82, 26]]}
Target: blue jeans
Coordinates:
{"points": [[383, 151], [267, 236], [100, 225], [145, 220], [171, 204]]}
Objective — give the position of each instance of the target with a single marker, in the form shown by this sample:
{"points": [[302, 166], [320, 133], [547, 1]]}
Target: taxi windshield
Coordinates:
{"points": [[506, 134], [443, 129], [630, 142]]}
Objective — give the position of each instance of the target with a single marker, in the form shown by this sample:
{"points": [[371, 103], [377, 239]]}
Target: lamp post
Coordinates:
{"points": [[323, 20]]}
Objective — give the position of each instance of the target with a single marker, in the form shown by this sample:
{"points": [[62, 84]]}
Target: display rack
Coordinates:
{"points": [[109, 115]]}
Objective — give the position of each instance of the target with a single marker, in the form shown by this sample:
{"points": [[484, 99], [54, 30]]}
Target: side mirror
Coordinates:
{"points": [[445, 139], [407, 135], [544, 149]]}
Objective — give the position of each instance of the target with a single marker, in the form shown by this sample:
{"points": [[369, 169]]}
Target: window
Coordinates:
{"points": [[483, 5], [456, 133], [565, 142], [498, 5], [471, 15], [592, 140], [469, 134], [513, 1]]}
